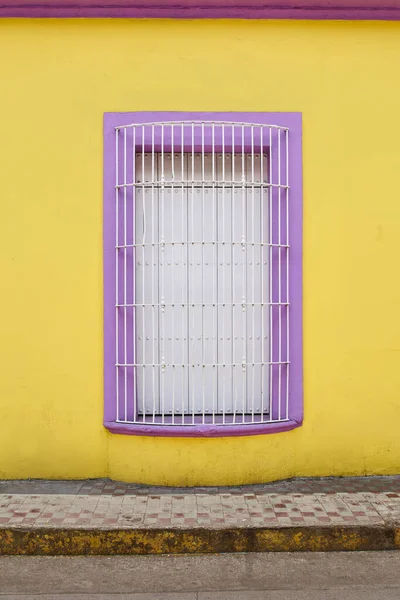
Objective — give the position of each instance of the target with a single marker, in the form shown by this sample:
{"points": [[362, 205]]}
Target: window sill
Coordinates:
{"points": [[200, 430]]}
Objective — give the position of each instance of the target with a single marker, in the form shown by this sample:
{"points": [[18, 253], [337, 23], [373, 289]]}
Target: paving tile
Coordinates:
{"points": [[329, 501]]}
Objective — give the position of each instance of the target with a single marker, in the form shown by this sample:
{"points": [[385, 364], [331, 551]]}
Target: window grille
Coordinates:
{"points": [[202, 308]]}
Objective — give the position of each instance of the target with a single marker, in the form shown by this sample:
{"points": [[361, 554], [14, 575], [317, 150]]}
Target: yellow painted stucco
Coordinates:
{"points": [[57, 78]]}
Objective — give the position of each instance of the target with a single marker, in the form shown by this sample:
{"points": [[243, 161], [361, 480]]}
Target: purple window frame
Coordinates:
{"points": [[293, 122]]}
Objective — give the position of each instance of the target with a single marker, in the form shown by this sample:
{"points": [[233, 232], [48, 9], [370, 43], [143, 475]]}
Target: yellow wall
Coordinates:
{"points": [[57, 78]]}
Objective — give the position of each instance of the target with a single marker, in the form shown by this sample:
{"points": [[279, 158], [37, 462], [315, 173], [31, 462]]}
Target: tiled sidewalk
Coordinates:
{"points": [[103, 504]]}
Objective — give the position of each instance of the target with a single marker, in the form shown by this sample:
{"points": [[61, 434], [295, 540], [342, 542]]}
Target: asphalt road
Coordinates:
{"points": [[280, 576]]}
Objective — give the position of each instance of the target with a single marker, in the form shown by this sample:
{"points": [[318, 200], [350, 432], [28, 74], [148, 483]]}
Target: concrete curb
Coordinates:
{"points": [[74, 542]]}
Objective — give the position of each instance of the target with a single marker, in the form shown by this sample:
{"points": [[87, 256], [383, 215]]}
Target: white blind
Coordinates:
{"points": [[201, 283]]}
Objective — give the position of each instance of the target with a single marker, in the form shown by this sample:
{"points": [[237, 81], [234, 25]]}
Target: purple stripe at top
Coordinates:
{"points": [[256, 9]]}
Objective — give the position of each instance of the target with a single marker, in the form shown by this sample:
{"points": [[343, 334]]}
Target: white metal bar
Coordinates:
{"points": [[214, 206], [143, 281], [125, 292], [192, 330], [244, 281], [184, 253], [234, 386], [134, 321], [153, 282], [116, 276], [162, 265], [172, 275], [197, 242], [204, 304], [223, 290], [199, 184], [287, 276], [214, 372], [253, 333], [194, 122], [202, 275], [235, 364], [262, 268], [279, 282], [270, 276], [219, 422]]}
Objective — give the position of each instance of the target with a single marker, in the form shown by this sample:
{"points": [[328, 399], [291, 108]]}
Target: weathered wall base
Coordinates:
{"points": [[53, 542]]}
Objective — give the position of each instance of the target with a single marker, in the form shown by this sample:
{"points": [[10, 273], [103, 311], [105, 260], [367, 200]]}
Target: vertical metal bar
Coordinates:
{"points": [[193, 283], [143, 283], [135, 408], [172, 272], [233, 386], [153, 299], [287, 276], [134, 249], [244, 286], [163, 359], [262, 266], [172, 156], [202, 275], [188, 313], [223, 290], [253, 333], [183, 200], [116, 277], [214, 370], [125, 290], [279, 280], [270, 269]]}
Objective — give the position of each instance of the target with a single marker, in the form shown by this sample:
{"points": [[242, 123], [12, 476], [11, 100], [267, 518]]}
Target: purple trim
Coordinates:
{"points": [[200, 430], [206, 9], [293, 122]]}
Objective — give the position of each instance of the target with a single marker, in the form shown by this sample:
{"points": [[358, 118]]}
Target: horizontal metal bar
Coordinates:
{"points": [[208, 185], [191, 366], [187, 123], [193, 304], [188, 420], [186, 243]]}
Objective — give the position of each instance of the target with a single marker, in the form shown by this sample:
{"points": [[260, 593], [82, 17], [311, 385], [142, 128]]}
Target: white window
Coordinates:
{"points": [[201, 293], [198, 293]]}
